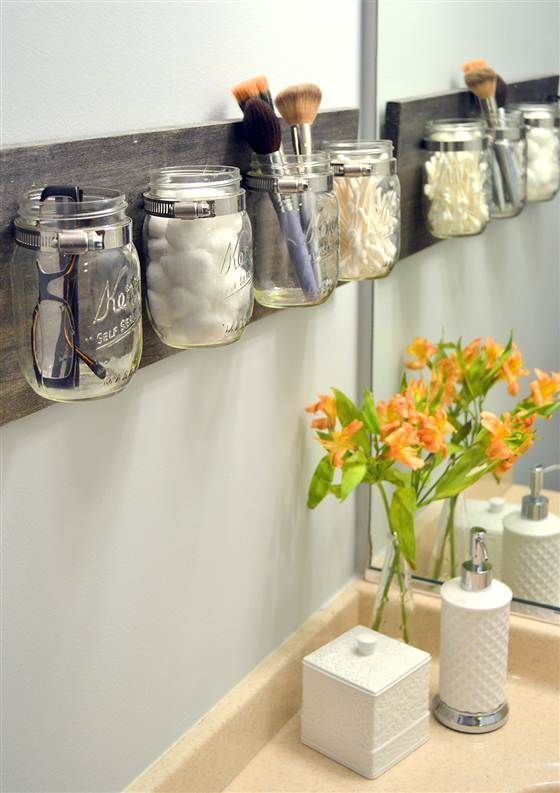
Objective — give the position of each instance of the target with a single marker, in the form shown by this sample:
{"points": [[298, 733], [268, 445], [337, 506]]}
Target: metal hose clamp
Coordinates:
{"points": [[195, 209]]}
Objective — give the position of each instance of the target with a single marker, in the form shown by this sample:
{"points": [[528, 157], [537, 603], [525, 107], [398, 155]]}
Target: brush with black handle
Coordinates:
{"points": [[262, 132]]}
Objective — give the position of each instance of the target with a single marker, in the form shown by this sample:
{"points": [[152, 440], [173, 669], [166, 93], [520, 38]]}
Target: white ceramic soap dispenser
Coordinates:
{"points": [[473, 646], [531, 545]]}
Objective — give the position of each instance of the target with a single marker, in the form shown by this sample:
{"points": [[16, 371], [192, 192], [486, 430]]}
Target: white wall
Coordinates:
{"points": [[156, 545], [508, 278]]}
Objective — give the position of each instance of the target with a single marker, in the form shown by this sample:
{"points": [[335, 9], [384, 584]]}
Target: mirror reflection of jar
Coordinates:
{"points": [[198, 250], [294, 215], [368, 191], [76, 292], [543, 149], [457, 183]]}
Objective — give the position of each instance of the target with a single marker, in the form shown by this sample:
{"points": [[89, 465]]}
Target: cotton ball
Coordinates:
{"points": [[157, 279], [157, 248], [159, 309], [202, 328], [174, 265], [184, 235], [157, 227], [183, 303]]}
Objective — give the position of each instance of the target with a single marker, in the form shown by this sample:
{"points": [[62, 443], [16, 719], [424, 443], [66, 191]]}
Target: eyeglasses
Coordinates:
{"points": [[54, 324]]}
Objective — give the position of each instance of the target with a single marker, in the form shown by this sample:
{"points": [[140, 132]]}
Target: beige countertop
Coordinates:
{"points": [[520, 756]]}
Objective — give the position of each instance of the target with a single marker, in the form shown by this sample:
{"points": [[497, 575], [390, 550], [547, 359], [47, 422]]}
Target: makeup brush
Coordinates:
{"points": [[501, 92], [256, 87], [262, 132], [482, 81], [298, 105]]}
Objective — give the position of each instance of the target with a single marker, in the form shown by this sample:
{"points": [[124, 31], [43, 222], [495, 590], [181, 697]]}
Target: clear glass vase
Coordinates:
{"points": [[450, 546], [394, 587]]}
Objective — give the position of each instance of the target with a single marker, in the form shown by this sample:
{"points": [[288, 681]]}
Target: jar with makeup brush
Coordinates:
{"points": [[368, 191], [294, 215], [543, 149], [508, 164], [76, 297], [457, 178], [198, 252]]}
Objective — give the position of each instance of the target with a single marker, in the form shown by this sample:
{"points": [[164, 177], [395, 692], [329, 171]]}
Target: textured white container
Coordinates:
{"points": [[531, 564], [366, 700], [474, 647]]}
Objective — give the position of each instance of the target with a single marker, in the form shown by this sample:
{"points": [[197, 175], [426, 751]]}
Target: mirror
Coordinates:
{"points": [[503, 280]]}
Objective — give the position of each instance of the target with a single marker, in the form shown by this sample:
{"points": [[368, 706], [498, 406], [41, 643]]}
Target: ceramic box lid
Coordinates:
{"points": [[367, 660]]}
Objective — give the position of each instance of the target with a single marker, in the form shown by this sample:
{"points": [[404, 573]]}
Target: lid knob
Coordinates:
{"points": [[496, 504], [366, 643], [535, 505], [476, 573]]}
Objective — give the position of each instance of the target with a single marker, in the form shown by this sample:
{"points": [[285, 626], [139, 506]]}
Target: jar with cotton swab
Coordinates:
{"points": [[198, 255], [457, 178], [368, 191]]}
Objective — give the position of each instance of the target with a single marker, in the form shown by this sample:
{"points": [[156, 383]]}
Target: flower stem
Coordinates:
{"points": [[449, 536]]}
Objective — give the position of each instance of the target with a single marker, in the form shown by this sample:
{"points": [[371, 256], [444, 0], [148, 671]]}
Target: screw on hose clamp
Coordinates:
{"points": [[291, 184], [351, 169], [74, 241], [191, 210]]}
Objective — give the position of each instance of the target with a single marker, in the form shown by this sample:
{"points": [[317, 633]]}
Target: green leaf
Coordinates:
{"points": [[462, 433], [401, 513], [345, 408], [396, 477], [354, 470], [468, 469], [369, 413], [320, 482]]}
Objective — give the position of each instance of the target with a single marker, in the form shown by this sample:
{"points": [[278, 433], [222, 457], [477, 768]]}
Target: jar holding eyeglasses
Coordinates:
{"points": [[76, 292]]}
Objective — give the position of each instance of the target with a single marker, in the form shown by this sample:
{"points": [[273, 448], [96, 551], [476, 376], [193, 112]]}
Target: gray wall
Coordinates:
{"points": [[156, 546]]}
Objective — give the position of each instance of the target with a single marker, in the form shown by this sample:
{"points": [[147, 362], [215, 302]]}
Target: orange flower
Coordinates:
{"points": [[545, 387], [432, 431], [422, 349], [512, 370], [341, 442], [445, 375], [472, 350], [393, 413], [499, 430], [327, 404], [401, 443]]}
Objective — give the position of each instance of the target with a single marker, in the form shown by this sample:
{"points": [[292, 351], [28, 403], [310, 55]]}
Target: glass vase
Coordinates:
{"points": [[451, 538], [395, 585]]}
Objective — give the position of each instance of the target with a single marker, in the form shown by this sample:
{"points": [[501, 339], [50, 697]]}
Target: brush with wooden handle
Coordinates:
{"points": [[262, 132]]}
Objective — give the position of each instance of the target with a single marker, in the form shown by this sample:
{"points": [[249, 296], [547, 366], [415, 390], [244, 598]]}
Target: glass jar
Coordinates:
{"points": [[199, 266], [543, 149], [508, 163], [294, 214], [76, 292], [368, 191], [457, 185]]}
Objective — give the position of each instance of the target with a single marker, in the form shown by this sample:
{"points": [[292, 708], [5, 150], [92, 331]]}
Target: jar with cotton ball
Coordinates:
{"points": [[198, 252], [457, 178], [543, 149], [368, 191]]}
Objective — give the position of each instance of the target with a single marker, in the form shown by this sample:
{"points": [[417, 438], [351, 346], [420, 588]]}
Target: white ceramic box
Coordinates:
{"points": [[366, 700]]}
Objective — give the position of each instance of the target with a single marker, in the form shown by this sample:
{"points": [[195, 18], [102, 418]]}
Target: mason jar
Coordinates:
{"points": [[198, 255], [294, 214], [368, 191], [508, 163], [76, 292], [543, 149], [457, 183]]}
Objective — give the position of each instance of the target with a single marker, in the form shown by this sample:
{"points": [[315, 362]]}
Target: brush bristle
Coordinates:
{"points": [[247, 89], [299, 104], [477, 64], [482, 82], [501, 91], [261, 127]]}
